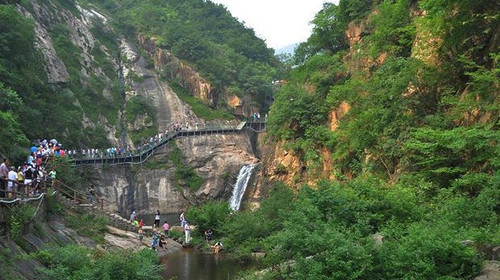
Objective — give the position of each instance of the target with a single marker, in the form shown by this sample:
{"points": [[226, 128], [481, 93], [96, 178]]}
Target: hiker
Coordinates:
{"points": [[154, 241], [28, 179], [4, 174], [52, 175], [157, 219], [12, 185], [140, 234], [20, 178], [133, 216], [91, 194], [165, 228], [135, 223]]}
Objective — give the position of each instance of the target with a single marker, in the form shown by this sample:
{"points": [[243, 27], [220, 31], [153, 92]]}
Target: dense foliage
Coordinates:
{"points": [[362, 229], [31, 107], [406, 104], [413, 109], [77, 262], [79, 109], [205, 34]]}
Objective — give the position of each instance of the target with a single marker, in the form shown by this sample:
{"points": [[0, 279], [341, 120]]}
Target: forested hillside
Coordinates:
{"points": [[62, 66], [204, 34], [405, 90], [387, 130], [382, 158]]}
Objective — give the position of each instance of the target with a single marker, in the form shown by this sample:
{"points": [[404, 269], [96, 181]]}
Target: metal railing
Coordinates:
{"points": [[147, 150], [22, 191]]}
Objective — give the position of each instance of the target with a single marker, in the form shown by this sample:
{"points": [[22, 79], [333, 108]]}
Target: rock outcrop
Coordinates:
{"points": [[151, 186]]}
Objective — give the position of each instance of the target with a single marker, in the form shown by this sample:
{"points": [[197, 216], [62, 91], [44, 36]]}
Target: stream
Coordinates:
{"points": [[189, 264]]}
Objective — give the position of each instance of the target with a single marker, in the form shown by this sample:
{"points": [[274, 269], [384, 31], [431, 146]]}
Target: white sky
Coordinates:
{"points": [[279, 22]]}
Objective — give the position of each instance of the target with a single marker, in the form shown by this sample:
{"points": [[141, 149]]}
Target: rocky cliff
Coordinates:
{"points": [[138, 67], [147, 187]]}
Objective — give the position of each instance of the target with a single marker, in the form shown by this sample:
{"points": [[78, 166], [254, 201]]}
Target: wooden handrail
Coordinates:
{"points": [[75, 194]]}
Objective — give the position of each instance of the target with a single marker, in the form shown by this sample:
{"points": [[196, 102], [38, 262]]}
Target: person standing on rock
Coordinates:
{"points": [[165, 228], [182, 218], [154, 241], [157, 219], [133, 216], [187, 231], [162, 242]]}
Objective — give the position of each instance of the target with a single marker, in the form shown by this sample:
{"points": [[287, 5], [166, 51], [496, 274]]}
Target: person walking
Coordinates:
{"points": [[140, 234], [52, 176], [91, 194]]}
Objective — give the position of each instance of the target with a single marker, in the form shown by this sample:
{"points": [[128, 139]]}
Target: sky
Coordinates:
{"points": [[279, 22]]}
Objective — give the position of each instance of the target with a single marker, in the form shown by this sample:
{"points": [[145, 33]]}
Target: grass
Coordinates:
{"points": [[200, 109]]}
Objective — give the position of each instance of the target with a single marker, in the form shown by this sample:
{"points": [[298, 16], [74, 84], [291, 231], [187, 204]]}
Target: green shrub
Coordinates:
{"points": [[176, 234], [20, 216], [77, 262], [89, 224], [211, 215]]}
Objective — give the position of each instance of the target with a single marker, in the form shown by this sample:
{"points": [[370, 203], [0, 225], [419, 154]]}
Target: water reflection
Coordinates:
{"points": [[192, 265]]}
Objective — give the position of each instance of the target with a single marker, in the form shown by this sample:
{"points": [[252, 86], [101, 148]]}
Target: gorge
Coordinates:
{"points": [[379, 159]]}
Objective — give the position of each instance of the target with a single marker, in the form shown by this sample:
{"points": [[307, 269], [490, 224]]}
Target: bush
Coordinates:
{"points": [[77, 262], [427, 251], [90, 225], [211, 215]]}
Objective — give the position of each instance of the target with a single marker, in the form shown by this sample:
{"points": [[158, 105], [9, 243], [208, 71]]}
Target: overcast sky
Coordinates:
{"points": [[279, 22]]}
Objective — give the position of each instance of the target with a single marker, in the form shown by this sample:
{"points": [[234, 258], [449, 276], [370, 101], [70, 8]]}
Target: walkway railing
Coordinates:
{"points": [[21, 191], [25, 192], [79, 197], [146, 151]]}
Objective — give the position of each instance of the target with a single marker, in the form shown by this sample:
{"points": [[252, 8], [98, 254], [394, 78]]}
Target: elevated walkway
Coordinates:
{"points": [[149, 150]]}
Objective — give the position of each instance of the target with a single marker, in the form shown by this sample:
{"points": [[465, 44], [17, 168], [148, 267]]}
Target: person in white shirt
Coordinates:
{"points": [[12, 185], [187, 231]]}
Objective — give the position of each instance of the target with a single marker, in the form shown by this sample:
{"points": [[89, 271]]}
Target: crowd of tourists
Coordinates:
{"points": [[127, 151], [159, 234], [31, 176]]}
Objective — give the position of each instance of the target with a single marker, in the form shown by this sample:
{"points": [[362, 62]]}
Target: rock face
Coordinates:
{"points": [[215, 158], [151, 186]]}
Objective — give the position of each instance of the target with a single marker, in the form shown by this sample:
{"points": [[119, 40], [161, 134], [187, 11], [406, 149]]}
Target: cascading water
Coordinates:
{"points": [[241, 186]]}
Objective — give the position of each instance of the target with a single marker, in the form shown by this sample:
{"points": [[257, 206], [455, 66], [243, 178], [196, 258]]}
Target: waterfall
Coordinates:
{"points": [[241, 186]]}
